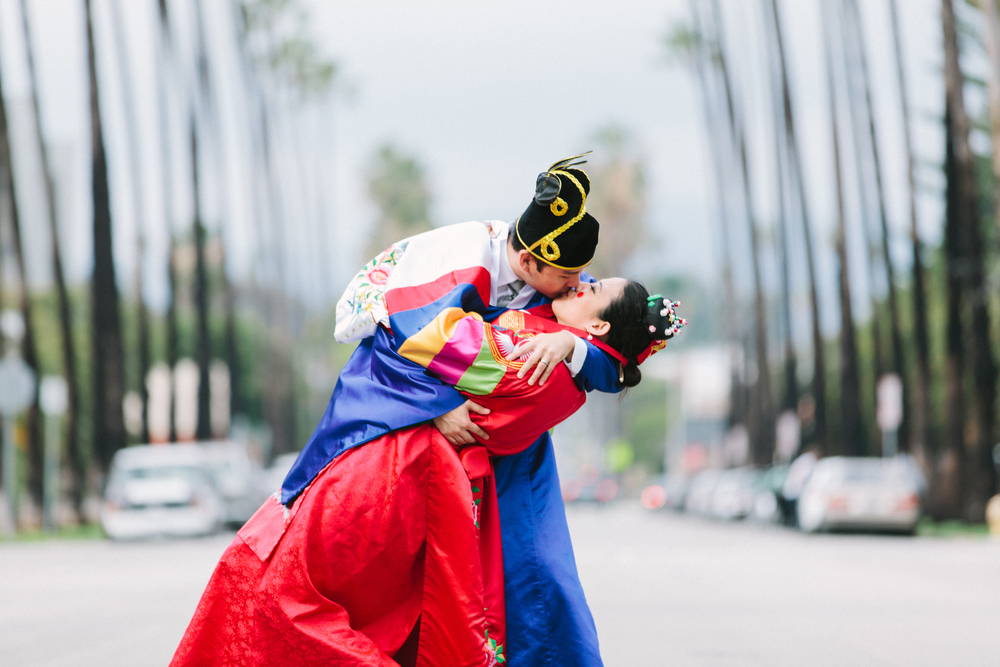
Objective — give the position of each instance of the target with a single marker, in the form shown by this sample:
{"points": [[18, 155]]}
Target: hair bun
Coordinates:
{"points": [[661, 318]]}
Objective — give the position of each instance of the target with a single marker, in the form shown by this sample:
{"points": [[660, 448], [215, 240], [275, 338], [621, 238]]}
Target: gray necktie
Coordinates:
{"points": [[508, 292]]}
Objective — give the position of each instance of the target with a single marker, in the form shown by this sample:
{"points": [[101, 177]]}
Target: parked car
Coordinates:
{"points": [[160, 490], [274, 474], [767, 495], [733, 495], [237, 477], [860, 493], [699, 496], [599, 490], [676, 488]]}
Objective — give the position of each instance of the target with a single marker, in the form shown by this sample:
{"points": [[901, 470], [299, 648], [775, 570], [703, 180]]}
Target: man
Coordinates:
{"points": [[523, 265]]}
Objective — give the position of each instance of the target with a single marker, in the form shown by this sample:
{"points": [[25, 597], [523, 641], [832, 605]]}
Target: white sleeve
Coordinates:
{"points": [[361, 307], [579, 356]]}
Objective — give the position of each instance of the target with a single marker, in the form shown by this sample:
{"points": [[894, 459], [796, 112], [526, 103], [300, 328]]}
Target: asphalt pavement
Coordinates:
{"points": [[665, 590]]}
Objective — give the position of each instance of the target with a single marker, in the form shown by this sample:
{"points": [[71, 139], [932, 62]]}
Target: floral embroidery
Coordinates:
{"points": [[477, 500], [378, 276], [494, 652], [367, 289]]}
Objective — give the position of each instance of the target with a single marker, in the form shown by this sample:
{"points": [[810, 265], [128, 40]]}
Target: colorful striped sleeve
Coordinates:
{"points": [[460, 348]]}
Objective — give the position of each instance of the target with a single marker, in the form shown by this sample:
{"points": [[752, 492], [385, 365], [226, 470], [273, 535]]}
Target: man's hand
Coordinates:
{"points": [[543, 353], [458, 428]]}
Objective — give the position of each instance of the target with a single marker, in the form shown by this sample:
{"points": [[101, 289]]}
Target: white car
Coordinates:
{"points": [[860, 493], [160, 490], [274, 475], [237, 477]]}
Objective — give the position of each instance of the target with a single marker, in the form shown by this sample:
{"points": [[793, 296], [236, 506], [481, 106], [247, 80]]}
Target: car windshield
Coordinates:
{"points": [[192, 473]]}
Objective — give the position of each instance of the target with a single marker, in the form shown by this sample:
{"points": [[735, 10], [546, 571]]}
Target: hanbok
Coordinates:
{"points": [[392, 553]]}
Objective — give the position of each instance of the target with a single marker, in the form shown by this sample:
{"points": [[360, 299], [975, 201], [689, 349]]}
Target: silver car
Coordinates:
{"points": [[861, 494], [160, 490], [237, 477]]}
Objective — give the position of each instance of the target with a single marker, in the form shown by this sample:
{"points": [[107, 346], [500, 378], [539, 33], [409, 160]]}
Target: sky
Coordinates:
{"points": [[485, 96]]}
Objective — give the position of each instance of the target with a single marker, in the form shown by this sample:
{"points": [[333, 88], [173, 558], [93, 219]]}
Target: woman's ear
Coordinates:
{"points": [[599, 327]]}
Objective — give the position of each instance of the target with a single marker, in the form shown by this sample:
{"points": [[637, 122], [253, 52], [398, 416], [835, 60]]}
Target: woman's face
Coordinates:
{"points": [[582, 308]]}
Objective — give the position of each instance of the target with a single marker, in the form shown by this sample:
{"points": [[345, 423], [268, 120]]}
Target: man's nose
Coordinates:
{"points": [[573, 283]]}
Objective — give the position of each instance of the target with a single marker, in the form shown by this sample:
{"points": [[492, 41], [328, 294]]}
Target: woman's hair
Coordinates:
{"points": [[631, 317]]}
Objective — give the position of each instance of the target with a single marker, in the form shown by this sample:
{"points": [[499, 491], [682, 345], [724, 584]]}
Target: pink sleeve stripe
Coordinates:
{"points": [[401, 299], [459, 352]]}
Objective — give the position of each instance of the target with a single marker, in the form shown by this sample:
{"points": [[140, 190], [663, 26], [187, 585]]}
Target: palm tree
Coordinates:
{"points": [[852, 433], [856, 28], [138, 212], [225, 234], [68, 349], [981, 481], [818, 388], [203, 341], [948, 501], [920, 405], [10, 209], [862, 169], [991, 32], [762, 431], [108, 373], [164, 59], [790, 363]]}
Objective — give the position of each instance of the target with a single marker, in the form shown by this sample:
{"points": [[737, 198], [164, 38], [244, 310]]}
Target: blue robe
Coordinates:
{"points": [[548, 620]]}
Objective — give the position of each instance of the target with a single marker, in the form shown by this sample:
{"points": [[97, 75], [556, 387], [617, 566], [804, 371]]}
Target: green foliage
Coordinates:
{"points": [[397, 185]]}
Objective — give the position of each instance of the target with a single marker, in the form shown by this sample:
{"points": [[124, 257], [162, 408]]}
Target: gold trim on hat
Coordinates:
{"points": [[547, 244]]}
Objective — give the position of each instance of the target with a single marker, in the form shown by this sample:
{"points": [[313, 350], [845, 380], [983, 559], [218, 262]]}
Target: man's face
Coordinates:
{"points": [[549, 280]]}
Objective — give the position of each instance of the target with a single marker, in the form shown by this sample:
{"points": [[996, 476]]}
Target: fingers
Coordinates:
{"points": [[461, 437], [524, 349], [478, 409], [475, 430], [540, 368], [547, 373], [531, 361]]}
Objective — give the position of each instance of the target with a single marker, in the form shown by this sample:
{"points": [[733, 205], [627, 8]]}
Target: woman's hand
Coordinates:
{"points": [[543, 353]]}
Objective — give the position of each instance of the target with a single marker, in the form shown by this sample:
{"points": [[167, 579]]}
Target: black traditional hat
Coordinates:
{"points": [[556, 227]]}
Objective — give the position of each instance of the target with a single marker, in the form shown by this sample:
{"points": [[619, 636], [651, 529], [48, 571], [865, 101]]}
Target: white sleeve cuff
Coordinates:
{"points": [[579, 356]]}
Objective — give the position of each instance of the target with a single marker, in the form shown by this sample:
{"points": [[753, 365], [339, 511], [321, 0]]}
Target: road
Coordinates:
{"points": [[665, 590]]}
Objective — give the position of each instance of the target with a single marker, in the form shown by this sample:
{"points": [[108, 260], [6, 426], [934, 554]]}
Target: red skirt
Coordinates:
{"points": [[391, 556]]}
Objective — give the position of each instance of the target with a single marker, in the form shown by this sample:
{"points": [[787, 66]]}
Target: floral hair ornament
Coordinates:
{"points": [[662, 322]]}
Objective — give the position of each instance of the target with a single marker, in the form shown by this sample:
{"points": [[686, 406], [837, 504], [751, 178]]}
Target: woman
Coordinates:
{"points": [[392, 554]]}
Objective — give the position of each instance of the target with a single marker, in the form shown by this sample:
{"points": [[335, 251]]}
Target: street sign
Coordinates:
{"points": [[17, 385], [889, 410]]}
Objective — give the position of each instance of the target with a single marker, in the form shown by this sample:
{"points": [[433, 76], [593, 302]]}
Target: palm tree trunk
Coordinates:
{"points": [[991, 33], [896, 337], [852, 433], [862, 169], [762, 433], [138, 215], [949, 491], [203, 344], [163, 60], [791, 392], [108, 372], [225, 224], [981, 481], [820, 435], [72, 446], [920, 404], [10, 209]]}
